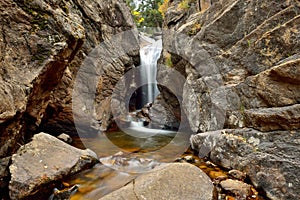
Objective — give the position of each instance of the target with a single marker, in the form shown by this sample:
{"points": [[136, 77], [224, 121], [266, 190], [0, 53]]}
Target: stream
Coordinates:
{"points": [[119, 166], [130, 161]]}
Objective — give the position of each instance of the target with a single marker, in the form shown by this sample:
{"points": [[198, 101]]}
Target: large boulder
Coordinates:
{"points": [[270, 160], [171, 181], [38, 165]]}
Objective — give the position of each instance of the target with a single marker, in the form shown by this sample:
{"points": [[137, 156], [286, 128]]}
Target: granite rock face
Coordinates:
{"points": [[241, 64], [43, 45], [236, 56], [37, 43], [270, 159], [37, 165], [112, 48], [172, 181]]}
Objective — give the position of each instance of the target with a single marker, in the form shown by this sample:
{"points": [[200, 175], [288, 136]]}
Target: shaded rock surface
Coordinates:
{"points": [[37, 43], [270, 159], [37, 165], [162, 115], [171, 181], [107, 24], [42, 47]]}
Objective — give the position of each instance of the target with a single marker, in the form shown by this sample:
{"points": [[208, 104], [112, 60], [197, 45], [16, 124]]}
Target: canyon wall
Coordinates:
{"points": [[241, 95], [43, 45]]}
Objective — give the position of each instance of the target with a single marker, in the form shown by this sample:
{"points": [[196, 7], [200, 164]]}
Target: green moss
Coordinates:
{"points": [[249, 43], [41, 22], [184, 5], [242, 109], [42, 54], [168, 60], [39, 16]]}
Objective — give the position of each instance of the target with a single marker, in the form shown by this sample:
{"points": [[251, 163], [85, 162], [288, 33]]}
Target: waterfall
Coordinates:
{"points": [[149, 55]]}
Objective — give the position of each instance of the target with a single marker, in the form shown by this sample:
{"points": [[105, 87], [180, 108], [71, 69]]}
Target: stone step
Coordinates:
{"points": [[271, 119]]}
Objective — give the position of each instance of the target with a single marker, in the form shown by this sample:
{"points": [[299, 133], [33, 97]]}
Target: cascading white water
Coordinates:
{"points": [[149, 56]]}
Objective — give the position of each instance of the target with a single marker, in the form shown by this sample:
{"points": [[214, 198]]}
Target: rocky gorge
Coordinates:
{"points": [[240, 96]]}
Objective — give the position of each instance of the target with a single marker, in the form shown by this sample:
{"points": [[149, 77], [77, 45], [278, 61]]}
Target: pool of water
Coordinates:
{"points": [[123, 157]]}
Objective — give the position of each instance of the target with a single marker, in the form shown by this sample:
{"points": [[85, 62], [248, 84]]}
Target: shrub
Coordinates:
{"points": [[168, 60], [162, 8], [184, 5], [195, 29]]}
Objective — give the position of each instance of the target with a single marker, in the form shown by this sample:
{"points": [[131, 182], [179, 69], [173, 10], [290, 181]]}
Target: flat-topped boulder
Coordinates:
{"points": [[38, 165], [174, 181]]}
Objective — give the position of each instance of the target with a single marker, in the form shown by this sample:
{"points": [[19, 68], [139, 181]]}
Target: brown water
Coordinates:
{"points": [[124, 158], [132, 157]]}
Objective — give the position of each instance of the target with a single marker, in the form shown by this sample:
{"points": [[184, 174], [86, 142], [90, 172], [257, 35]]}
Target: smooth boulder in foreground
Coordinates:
{"points": [[39, 164], [174, 181]]}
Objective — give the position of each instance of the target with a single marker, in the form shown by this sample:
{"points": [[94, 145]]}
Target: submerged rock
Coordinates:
{"points": [[39, 164], [63, 194], [171, 181], [66, 138]]}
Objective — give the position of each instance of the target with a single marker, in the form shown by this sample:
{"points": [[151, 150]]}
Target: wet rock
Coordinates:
{"points": [[63, 194], [270, 159], [189, 158], [129, 163], [39, 164], [240, 189], [217, 175], [171, 181], [66, 138], [162, 115]]}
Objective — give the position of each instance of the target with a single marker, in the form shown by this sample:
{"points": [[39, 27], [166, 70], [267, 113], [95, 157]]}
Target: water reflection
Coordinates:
{"points": [[121, 162], [99, 181]]}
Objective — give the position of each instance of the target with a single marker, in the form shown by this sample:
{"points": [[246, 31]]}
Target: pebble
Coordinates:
{"points": [[189, 158], [217, 174], [210, 163], [237, 174], [66, 138], [238, 188]]}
